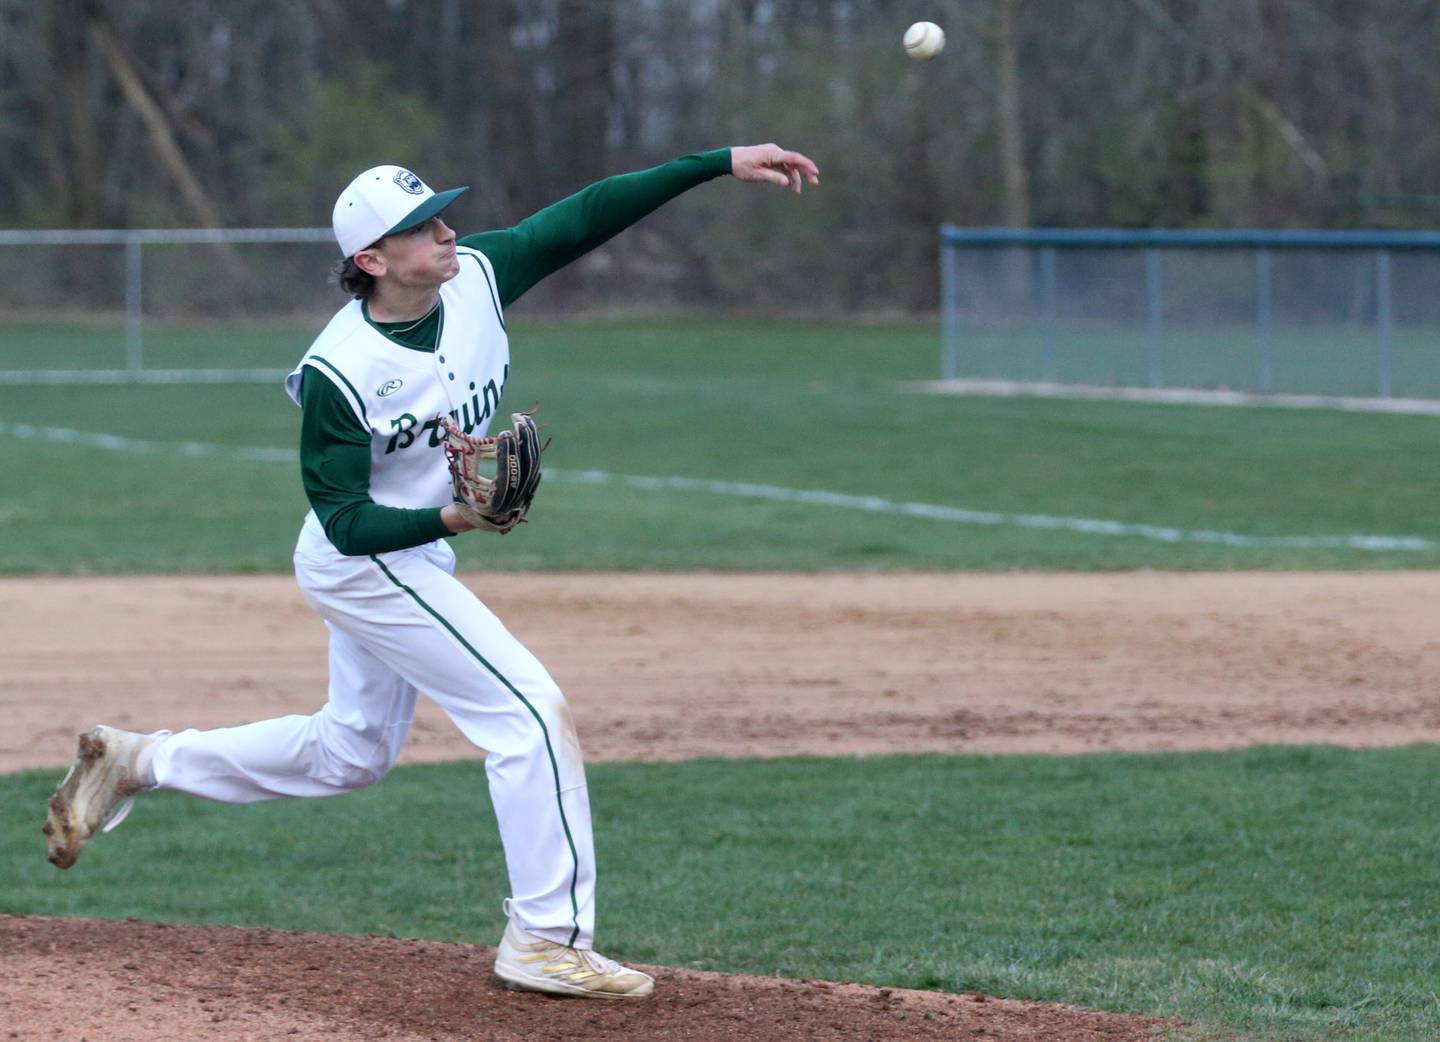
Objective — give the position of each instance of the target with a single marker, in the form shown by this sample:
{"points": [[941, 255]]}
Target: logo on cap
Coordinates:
{"points": [[408, 181]]}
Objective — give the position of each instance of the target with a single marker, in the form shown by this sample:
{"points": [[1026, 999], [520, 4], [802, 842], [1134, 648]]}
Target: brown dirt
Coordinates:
{"points": [[672, 667], [146, 981]]}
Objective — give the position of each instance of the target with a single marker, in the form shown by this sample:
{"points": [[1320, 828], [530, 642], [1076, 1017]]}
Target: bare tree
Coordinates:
{"points": [[69, 120], [1014, 169], [152, 114], [1069, 112]]}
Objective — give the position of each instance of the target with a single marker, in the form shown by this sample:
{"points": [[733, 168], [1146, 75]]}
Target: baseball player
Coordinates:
{"points": [[396, 393]]}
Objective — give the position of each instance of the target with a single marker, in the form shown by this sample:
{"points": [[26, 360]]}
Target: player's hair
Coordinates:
{"points": [[352, 280]]}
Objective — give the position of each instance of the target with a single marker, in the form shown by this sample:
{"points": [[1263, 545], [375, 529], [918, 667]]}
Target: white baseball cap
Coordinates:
{"points": [[382, 201]]}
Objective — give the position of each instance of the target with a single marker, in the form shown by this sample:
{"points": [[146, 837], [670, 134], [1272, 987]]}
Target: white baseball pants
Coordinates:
{"points": [[400, 623]]}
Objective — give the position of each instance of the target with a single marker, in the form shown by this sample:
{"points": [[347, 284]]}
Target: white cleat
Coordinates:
{"points": [[530, 963], [106, 773]]}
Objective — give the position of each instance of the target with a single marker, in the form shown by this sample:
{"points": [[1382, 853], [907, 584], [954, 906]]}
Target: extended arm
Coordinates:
{"points": [[548, 240]]}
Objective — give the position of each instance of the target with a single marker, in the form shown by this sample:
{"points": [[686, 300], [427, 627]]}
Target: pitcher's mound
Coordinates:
{"points": [[121, 981]]}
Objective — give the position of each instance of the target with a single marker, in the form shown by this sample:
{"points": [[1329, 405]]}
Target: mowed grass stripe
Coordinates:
{"points": [[1286, 893], [806, 497], [782, 405]]}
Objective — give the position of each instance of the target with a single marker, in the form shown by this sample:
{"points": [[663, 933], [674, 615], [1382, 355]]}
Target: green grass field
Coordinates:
{"points": [[1333, 360], [1269, 894], [799, 407]]}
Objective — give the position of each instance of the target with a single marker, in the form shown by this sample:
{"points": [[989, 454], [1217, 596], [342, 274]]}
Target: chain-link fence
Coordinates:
{"points": [[1329, 313], [1332, 313], [161, 305]]}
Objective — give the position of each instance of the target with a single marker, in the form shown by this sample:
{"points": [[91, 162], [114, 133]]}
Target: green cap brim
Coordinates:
{"points": [[428, 209]]}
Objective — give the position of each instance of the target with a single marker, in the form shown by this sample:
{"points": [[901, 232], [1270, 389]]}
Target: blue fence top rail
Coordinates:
{"points": [[1151, 237]]}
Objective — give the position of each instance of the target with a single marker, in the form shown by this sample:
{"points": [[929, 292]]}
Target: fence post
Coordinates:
{"points": [[1384, 320], [1153, 306], [949, 317], [134, 301], [1263, 322], [1047, 312]]}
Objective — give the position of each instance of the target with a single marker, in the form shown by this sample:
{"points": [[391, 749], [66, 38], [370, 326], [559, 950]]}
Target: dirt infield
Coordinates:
{"points": [[671, 667], [676, 666], [147, 981]]}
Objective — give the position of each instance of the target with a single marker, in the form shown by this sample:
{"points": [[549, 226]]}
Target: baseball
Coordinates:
{"points": [[924, 40]]}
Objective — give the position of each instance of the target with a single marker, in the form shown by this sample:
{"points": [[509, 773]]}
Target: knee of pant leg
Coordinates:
{"points": [[353, 761], [559, 724], [347, 771], [363, 775], [551, 706]]}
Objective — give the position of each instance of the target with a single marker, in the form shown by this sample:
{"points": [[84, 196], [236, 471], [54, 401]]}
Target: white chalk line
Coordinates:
{"points": [[1173, 396], [27, 377], [142, 447], [774, 494]]}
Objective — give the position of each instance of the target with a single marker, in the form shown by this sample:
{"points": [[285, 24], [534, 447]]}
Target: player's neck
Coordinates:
{"points": [[392, 303]]}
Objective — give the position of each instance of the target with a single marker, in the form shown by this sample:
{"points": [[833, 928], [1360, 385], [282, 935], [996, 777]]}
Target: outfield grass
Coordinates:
{"points": [[1330, 360], [801, 406], [1274, 893]]}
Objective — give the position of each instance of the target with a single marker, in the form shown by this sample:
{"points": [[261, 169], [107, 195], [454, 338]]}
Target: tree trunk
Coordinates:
{"points": [[1015, 178], [1014, 172], [162, 137], [585, 48], [69, 133], [511, 180]]}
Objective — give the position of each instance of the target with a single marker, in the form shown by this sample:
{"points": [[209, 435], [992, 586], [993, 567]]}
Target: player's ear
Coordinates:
{"points": [[370, 261]]}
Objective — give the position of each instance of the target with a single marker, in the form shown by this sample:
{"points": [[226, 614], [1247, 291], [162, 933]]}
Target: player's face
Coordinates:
{"points": [[422, 256]]}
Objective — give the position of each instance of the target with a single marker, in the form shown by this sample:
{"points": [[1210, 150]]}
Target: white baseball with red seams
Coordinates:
{"points": [[924, 40]]}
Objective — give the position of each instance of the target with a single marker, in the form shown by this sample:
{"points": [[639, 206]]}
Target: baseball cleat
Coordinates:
{"points": [[105, 774], [529, 963]]}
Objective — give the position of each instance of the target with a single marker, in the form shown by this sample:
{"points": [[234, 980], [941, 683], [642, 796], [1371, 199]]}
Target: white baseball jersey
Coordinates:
{"points": [[399, 394]]}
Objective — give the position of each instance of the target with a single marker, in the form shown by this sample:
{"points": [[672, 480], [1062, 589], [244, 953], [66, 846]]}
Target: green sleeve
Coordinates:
{"points": [[335, 469], [545, 242]]}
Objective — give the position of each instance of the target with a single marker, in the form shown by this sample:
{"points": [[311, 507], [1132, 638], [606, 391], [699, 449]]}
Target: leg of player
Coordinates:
{"points": [[349, 744], [400, 622], [408, 610]]}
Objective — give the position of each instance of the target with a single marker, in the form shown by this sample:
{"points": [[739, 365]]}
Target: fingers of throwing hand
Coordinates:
{"points": [[801, 165], [775, 176], [775, 165]]}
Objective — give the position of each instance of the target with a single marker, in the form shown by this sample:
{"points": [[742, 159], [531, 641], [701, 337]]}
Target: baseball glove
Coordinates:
{"points": [[500, 503]]}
